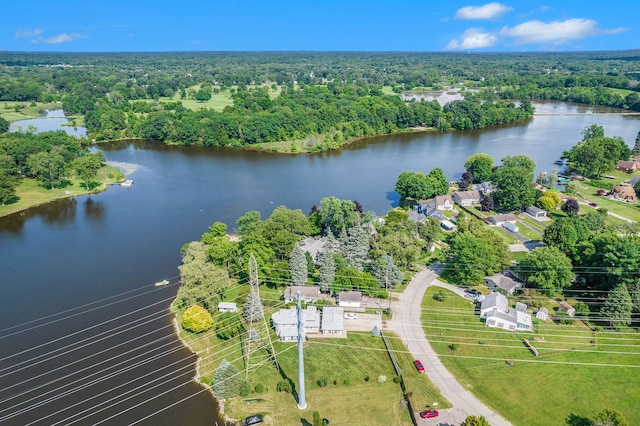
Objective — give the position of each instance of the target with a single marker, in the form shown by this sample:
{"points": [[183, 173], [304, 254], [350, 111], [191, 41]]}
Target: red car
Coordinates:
{"points": [[419, 366], [429, 414]]}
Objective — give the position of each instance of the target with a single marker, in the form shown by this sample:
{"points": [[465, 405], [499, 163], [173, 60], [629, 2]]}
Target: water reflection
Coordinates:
{"points": [[53, 120], [58, 212], [94, 210]]}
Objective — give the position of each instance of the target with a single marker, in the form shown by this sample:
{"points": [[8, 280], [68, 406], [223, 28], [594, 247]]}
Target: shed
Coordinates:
{"points": [[543, 313], [227, 307], [447, 225], [565, 307], [332, 321], [536, 212], [349, 299]]}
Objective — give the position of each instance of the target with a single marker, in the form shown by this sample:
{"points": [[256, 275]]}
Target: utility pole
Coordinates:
{"points": [[302, 403]]}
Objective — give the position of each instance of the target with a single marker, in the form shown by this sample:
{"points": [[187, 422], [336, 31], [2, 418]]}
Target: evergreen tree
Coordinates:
{"points": [[386, 272], [327, 271], [226, 381], [298, 266], [617, 307], [636, 148], [252, 310], [355, 246], [331, 244]]}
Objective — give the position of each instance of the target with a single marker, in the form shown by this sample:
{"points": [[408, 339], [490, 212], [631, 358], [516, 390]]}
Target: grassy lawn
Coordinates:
{"points": [[529, 233], [518, 256], [32, 193], [527, 219], [577, 371]]}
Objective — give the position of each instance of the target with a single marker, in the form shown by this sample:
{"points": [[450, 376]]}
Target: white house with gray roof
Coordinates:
{"points": [[285, 322], [349, 299], [497, 314], [332, 321]]}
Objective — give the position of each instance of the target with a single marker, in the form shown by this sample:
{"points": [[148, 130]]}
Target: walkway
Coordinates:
{"points": [[407, 324]]}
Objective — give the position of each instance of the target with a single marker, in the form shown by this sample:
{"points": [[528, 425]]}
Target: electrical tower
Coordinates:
{"points": [[257, 346]]}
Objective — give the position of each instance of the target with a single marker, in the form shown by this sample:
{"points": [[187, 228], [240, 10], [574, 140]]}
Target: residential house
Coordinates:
{"points": [[500, 219], [308, 294], [415, 216], [332, 321], [536, 212], [628, 166], [623, 192], [466, 198], [349, 299], [543, 313], [227, 307], [634, 180], [497, 314], [444, 202], [285, 322], [565, 307], [484, 188], [501, 282]]}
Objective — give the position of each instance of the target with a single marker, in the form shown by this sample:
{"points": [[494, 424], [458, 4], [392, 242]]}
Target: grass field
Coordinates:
{"points": [[577, 373], [32, 193]]}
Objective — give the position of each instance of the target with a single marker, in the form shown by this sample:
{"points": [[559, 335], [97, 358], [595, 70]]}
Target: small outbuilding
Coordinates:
{"points": [[565, 307], [542, 314], [536, 212], [227, 307]]}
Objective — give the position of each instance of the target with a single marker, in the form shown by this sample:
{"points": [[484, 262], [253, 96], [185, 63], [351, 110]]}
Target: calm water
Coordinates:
{"points": [[111, 247], [53, 119]]}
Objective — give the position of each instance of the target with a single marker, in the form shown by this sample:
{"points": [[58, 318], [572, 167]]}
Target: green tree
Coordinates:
{"points": [[609, 417], [480, 166], [252, 310], [226, 381], [617, 307], [202, 95], [473, 257], [4, 125], [47, 167], [87, 166], [327, 273], [597, 154], [229, 325], [546, 203], [386, 272], [317, 420], [547, 268], [298, 266], [355, 245], [284, 228], [570, 235], [196, 319], [413, 185], [438, 182], [336, 215], [475, 421], [514, 181], [428, 230], [636, 147]]}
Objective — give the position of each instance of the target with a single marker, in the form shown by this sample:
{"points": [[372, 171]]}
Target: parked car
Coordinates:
{"points": [[351, 315], [419, 366], [429, 414]]}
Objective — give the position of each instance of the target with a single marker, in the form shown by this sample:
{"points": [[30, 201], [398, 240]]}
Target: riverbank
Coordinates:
{"points": [[31, 193]]}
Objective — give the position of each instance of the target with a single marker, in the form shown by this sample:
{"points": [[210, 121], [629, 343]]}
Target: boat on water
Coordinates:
{"points": [[127, 183], [161, 283]]}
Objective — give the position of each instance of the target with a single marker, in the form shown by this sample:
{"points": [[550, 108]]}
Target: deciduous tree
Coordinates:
{"points": [[571, 207], [475, 421], [438, 182], [480, 166], [196, 319], [547, 268], [609, 417]]}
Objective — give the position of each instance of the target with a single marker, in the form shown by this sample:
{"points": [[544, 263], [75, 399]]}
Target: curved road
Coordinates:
{"points": [[407, 324]]}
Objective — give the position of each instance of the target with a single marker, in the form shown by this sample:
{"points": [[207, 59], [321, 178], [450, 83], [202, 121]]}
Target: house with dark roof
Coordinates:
{"points": [[502, 282], [628, 166], [308, 293]]}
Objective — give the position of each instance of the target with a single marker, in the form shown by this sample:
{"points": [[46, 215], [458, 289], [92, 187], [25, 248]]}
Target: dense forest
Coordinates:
{"points": [[334, 96]]}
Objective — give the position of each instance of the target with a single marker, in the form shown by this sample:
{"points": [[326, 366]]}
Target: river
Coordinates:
{"points": [[85, 336]]}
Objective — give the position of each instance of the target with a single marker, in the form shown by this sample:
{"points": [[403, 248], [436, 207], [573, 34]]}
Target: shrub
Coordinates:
{"points": [[335, 382], [260, 388], [347, 382], [440, 296], [453, 346], [397, 379], [323, 382], [245, 388], [366, 379], [284, 386], [382, 379]]}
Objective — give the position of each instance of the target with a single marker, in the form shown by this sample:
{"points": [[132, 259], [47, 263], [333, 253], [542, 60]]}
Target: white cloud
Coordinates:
{"points": [[25, 33], [62, 38], [556, 32], [473, 38], [487, 11]]}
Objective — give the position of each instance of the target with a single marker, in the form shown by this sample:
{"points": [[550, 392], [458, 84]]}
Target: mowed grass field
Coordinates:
{"points": [[577, 373]]}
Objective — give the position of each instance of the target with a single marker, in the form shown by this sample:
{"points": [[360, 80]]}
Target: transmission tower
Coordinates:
{"points": [[257, 345]]}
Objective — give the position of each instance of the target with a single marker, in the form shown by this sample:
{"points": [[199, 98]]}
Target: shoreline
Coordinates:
{"points": [[197, 376]]}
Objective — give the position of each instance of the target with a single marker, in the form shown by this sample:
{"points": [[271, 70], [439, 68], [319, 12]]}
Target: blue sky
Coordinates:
{"points": [[371, 25]]}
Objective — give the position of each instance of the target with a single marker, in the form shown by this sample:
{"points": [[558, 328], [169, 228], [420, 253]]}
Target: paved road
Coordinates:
{"points": [[407, 324]]}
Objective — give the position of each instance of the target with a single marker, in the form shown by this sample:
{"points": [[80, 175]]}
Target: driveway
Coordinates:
{"points": [[364, 322], [407, 324]]}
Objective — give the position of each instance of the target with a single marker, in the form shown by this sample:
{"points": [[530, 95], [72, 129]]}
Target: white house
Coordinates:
{"points": [[542, 314], [466, 198], [349, 299], [500, 219], [227, 307], [497, 314], [501, 282], [444, 202], [285, 322], [308, 294], [332, 321]]}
